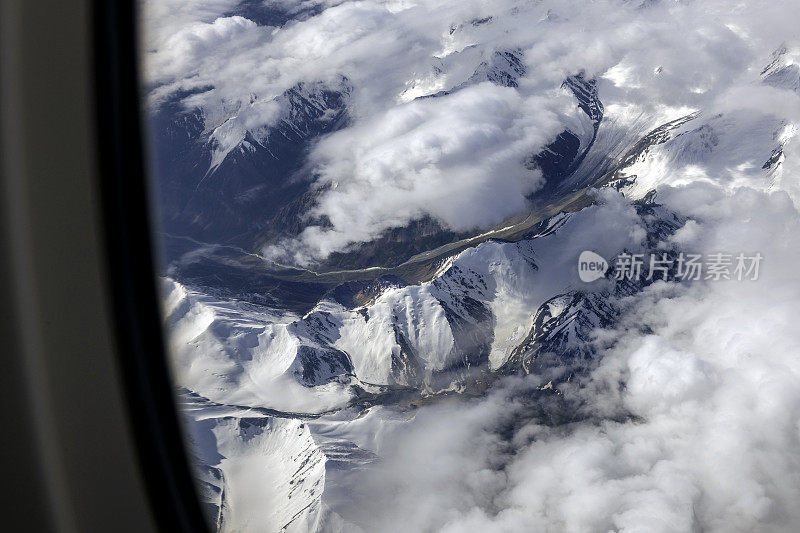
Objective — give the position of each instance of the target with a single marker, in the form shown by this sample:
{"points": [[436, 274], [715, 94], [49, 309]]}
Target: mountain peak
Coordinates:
{"points": [[783, 71]]}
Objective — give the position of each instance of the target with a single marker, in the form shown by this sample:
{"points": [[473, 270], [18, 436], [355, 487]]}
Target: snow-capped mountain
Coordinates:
{"points": [[563, 156], [253, 373], [232, 449], [296, 375], [783, 70], [500, 308], [222, 181], [430, 336]]}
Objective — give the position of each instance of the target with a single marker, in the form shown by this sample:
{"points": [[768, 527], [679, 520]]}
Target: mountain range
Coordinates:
{"points": [[287, 372]]}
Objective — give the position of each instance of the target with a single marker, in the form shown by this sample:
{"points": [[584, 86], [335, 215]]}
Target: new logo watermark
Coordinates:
{"points": [[591, 266], [680, 267]]}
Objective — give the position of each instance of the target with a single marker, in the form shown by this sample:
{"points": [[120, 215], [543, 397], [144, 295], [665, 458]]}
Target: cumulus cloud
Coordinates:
{"points": [[459, 160], [650, 56], [690, 420], [161, 19], [693, 426]]}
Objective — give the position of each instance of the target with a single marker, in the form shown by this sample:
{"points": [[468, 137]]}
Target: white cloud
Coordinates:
{"points": [[704, 435], [673, 377], [161, 19], [458, 159], [704, 52], [714, 385]]}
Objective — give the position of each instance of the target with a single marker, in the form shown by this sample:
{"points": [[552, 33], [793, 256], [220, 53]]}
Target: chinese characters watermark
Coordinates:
{"points": [[668, 267]]}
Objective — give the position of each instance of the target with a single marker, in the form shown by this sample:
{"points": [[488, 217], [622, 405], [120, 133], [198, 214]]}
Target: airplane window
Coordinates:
{"points": [[510, 266]]}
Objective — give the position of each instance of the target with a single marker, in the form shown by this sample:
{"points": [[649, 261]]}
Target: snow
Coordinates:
{"points": [[236, 354], [728, 149], [271, 395], [239, 354], [272, 471]]}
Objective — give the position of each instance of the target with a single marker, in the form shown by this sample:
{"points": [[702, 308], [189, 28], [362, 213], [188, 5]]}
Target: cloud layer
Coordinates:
{"points": [[691, 426], [459, 160], [403, 159], [691, 417]]}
